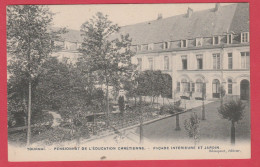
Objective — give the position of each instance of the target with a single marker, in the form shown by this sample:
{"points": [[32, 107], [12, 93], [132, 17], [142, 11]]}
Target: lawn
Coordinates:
{"points": [[214, 128]]}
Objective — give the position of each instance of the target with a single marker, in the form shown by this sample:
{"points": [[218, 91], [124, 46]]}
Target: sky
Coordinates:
{"points": [[73, 16]]}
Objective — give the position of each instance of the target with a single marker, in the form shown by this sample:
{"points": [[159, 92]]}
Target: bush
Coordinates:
{"points": [[166, 109], [53, 135]]}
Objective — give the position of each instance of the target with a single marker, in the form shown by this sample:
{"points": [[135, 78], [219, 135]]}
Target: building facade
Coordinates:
{"points": [[207, 48]]}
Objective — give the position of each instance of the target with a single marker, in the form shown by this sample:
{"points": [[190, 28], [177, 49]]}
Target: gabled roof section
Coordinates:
{"points": [[230, 18], [204, 23], [240, 22]]}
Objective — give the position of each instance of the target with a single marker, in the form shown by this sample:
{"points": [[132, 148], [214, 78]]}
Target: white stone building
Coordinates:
{"points": [[209, 47]]}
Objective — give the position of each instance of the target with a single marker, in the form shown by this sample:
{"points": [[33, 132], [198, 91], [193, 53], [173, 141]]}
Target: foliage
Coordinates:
{"points": [[191, 125], [150, 83], [233, 110], [53, 135], [166, 109]]}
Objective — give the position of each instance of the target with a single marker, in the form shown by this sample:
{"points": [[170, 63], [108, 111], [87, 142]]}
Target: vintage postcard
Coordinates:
{"points": [[128, 82]]}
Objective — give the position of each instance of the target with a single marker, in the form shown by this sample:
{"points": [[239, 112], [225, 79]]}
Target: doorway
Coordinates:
{"points": [[215, 88], [244, 89]]}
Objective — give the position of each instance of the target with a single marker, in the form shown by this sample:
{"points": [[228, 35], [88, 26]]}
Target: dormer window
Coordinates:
{"points": [[244, 37], [184, 43], [150, 46], [229, 39], [199, 42], [216, 40], [166, 45]]}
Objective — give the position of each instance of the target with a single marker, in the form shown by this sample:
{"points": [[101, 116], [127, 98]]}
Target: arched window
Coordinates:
{"points": [[185, 85], [229, 86], [199, 85]]}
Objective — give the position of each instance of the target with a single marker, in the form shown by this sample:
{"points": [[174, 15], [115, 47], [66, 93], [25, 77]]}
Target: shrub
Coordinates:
{"points": [[191, 125], [166, 109]]}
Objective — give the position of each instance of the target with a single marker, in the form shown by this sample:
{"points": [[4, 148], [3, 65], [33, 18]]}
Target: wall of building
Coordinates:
{"points": [[207, 74]]}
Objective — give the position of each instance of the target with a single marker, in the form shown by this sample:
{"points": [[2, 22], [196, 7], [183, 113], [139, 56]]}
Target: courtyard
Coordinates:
{"points": [[213, 129]]}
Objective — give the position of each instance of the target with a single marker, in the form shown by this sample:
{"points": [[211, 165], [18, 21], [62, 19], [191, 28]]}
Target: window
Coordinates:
{"points": [[166, 62], [215, 40], [193, 87], [229, 86], [184, 43], [150, 46], [216, 61], [178, 88], [230, 61], [229, 39], [150, 60], [144, 47], [166, 45], [199, 61], [184, 62], [244, 37], [199, 42], [138, 47], [199, 85], [245, 60], [139, 65], [185, 85]]}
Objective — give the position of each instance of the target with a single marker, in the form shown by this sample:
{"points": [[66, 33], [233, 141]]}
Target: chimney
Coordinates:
{"points": [[189, 12], [159, 16], [217, 7]]}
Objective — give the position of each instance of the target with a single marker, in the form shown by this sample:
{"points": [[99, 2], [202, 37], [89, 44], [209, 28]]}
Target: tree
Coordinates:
{"points": [[191, 125], [29, 43], [105, 53], [233, 111]]}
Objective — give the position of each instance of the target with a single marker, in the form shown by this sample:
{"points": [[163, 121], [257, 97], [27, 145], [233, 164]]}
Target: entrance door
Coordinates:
{"points": [[215, 88], [244, 89]]}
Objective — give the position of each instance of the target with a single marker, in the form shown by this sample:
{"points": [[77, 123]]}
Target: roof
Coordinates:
{"points": [[230, 18], [206, 23]]}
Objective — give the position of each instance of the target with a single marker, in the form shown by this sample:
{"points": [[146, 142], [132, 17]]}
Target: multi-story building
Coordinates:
{"points": [[209, 48]]}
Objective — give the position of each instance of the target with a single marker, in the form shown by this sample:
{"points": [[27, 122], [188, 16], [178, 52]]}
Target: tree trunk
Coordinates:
{"points": [[157, 102], [177, 123], [25, 109], [94, 123], [29, 115], [141, 122], [141, 133], [233, 135], [107, 103], [203, 110]]}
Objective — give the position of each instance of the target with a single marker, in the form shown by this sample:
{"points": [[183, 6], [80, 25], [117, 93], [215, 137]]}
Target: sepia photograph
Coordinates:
{"points": [[128, 81]]}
